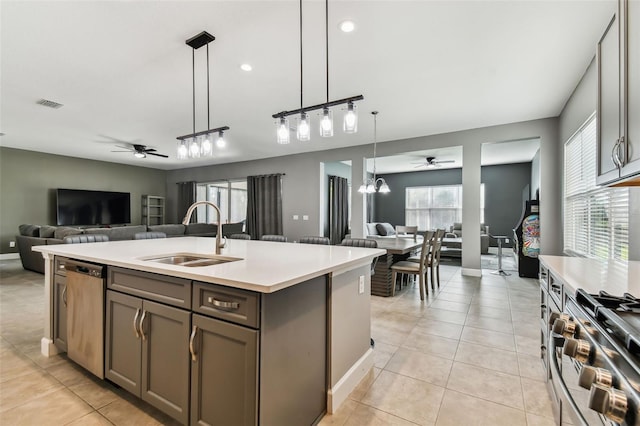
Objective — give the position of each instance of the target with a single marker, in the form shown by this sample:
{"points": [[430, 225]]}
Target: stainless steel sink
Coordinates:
{"points": [[191, 260]]}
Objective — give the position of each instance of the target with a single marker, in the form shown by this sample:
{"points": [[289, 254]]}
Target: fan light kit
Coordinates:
{"points": [[431, 162], [198, 144], [140, 151], [371, 185], [303, 121]]}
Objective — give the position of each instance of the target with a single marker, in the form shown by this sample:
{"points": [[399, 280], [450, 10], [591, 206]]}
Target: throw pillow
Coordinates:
{"points": [[47, 231], [29, 230], [63, 231], [385, 229]]}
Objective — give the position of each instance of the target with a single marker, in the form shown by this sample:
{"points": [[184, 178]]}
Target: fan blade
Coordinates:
{"points": [[420, 165], [445, 161], [120, 151], [125, 147], [148, 150], [158, 155]]}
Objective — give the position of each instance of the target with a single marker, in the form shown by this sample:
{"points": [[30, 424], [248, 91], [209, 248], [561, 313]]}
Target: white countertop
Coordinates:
{"points": [[615, 277], [265, 266]]}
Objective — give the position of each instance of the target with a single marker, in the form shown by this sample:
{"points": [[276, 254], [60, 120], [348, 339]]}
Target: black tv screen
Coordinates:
{"points": [[83, 207]]}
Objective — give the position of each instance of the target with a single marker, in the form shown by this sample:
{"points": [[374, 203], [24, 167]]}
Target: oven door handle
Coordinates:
{"points": [[563, 385]]}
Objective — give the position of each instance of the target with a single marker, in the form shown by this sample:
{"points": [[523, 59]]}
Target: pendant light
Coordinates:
{"points": [[369, 186], [198, 144], [303, 121]]}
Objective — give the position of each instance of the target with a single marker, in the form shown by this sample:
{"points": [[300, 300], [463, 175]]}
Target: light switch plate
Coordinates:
{"points": [[305, 217], [12, 244], [296, 217], [361, 284]]}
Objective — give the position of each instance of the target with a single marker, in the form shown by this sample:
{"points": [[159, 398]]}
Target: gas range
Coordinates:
{"points": [[594, 348]]}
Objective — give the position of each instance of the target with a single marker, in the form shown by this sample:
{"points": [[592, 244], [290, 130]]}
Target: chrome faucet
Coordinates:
{"points": [[187, 218]]}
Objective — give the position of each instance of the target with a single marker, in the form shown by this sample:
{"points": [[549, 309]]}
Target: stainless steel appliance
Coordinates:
{"points": [[85, 315], [594, 358]]}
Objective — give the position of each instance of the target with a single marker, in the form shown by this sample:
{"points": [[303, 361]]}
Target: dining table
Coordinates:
{"points": [[397, 249]]}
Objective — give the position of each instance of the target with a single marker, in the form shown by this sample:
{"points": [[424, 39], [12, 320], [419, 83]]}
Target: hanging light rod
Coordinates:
{"points": [[204, 132], [198, 144], [319, 106]]}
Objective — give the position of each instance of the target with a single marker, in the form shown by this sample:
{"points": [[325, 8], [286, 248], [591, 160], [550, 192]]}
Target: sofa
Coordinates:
{"points": [[455, 231], [40, 235], [379, 230]]}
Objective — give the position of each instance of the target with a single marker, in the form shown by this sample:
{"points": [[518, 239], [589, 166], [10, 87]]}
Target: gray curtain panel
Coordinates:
{"points": [[186, 197], [264, 205], [338, 208]]}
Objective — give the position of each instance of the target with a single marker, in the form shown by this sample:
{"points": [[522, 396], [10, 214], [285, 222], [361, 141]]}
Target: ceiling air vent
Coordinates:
{"points": [[49, 104]]}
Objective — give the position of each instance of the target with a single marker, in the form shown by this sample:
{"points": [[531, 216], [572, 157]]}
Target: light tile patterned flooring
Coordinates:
{"points": [[466, 356]]}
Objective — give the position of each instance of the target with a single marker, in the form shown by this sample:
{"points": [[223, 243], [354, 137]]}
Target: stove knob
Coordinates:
{"points": [[578, 349], [610, 402], [565, 327], [556, 315], [590, 375]]}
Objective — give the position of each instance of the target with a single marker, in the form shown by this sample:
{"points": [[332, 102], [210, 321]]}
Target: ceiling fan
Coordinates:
{"points": [[431, 162], [140, 151]]}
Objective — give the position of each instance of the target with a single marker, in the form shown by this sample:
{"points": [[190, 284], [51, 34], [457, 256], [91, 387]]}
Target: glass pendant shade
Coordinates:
{"points": [[371, 188], [221, 142], [384, 188], [303, 130], [182, 150], [282, 131], [194, 148], [326, 123], [363, 188], [205, 146], [350, 122]]}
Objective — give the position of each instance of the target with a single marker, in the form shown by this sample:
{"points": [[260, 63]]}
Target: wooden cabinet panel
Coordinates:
{"points": [[60, 313], [224, 373], [122, 344], [165, 359]]}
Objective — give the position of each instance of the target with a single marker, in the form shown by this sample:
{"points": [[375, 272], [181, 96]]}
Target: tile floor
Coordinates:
{"points": [[466, 356]]}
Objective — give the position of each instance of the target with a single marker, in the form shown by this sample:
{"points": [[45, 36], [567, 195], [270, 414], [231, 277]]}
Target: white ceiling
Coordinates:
{"points": [[123, 72]]}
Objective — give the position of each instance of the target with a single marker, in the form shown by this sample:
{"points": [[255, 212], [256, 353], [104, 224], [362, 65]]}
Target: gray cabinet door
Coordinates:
{"points": [[165, 359], [60, 314], [122, 341], [224, 373], [632, 88], [609, 100]]}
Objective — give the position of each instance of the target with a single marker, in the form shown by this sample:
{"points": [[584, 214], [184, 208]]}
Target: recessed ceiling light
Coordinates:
{"points": [[347, 26], [246, 67]]}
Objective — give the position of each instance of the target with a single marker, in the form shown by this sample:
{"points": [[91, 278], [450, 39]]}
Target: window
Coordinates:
{"points": [[596, 219], [436, 207], [229, 196]]}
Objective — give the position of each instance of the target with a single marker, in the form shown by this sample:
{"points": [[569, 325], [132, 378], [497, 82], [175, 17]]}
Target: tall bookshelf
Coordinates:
{"points": [[152, 210]]}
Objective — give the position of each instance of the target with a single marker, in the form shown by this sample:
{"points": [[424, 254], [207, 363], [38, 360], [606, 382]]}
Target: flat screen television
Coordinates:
{"points": [[83, 207]]}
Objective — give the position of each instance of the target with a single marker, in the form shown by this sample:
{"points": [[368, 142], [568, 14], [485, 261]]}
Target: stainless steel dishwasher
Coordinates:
{"points": [[85, 315]]}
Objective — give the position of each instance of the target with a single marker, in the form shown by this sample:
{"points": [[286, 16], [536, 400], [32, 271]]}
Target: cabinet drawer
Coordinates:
{"points": [[161, 288], [59, 267], [231, 304]]}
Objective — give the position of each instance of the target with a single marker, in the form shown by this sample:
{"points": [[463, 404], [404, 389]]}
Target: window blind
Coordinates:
{"points": [[596, 219]]}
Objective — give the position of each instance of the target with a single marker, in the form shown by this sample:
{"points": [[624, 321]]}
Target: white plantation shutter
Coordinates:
{"points": [[596, 219]]}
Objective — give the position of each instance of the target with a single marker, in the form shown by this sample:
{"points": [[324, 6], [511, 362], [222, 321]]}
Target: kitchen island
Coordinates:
{"points": [[277, 333]]}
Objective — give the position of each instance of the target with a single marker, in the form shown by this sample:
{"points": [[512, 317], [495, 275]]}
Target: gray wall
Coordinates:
{"points": [[535, 175], [503, 193], [28, 181]]}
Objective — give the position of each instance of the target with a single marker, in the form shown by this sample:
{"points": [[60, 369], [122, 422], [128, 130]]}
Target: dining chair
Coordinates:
{"points": [[315, 240], [86, 238], [151, 235], [277, 238], [433, 258], [405, 231], [406, 267], [240, 237], [362, 242]]}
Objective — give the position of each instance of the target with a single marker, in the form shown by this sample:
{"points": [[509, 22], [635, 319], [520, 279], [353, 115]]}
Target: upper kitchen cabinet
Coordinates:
{"points": [[618, 59]]}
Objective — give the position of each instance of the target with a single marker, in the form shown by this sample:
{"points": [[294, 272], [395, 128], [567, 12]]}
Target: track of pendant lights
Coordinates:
{"points": [[326, 126], [199, 144]]}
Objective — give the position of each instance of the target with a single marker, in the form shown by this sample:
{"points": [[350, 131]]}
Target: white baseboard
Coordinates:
{"points": [[9, 256], [341, 391], [469, 272], [47, 348]]}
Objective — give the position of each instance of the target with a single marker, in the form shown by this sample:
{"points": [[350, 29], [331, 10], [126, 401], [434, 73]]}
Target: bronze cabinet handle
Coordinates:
{"points": [[194, 331]]}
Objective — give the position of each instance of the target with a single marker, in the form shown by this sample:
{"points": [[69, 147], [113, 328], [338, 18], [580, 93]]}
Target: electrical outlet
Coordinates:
{"points": [[305, 217], [296, 217], [12, 244], [361, 284], [506, 240]]}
